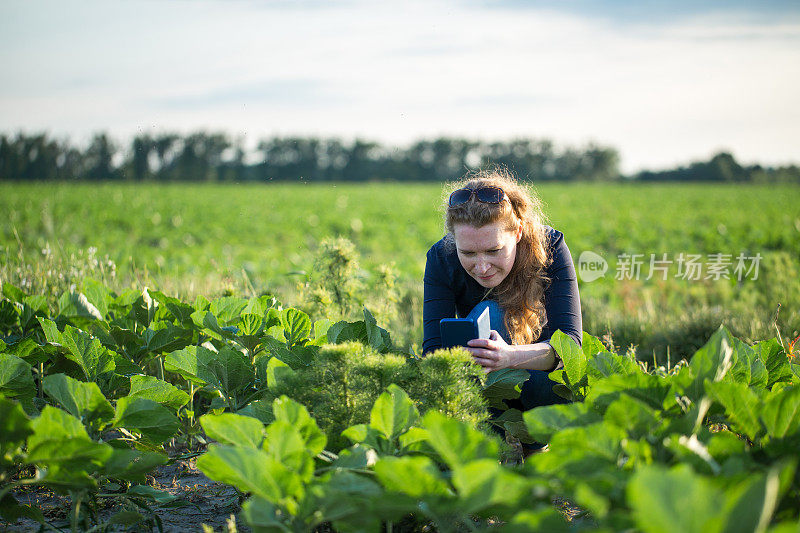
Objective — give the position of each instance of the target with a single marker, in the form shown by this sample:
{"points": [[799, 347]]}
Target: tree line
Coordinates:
{"points": [[218, 157]]}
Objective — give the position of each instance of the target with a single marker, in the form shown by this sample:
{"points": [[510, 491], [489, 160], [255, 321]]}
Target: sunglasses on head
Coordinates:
{"points": [[485, 194]]}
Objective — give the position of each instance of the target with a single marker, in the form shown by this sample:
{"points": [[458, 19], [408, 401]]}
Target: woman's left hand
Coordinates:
{"points": [[492, 353]]}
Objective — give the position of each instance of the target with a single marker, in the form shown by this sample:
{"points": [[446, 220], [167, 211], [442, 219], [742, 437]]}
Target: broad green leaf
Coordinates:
{"points": [[277, 371], [504, 384], [251, 470], [154, 421], [393, 413], [230, 428], [296, 415], [227, 309], [665, 501], [711, 362], [16, 379], [543, 422], [591, 345], [180, 311], [741, 405], [752, 502], [455, 441], [90, 355], [250, 324], [296, 326], [166, 339], [97, 294], [571, 354], [285, 444], [50, 330], [59, 437], [76, 305], [774, 358], [263, 516], [159, 391], [14, 429], [633, 416], [417, 477], [132, 465], [82, 400], [231, 371], [191, 363], [607, 363], [781, 413], [12, 292], [342, 332], [650, 389], [377, 337], [160, 497], [143, 309], [484, 483]]}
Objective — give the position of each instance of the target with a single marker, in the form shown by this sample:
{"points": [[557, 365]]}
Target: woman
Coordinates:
{"points": [[498, 254]]}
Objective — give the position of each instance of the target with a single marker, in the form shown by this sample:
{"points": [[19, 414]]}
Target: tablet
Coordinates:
{"points": [[459, 331]]}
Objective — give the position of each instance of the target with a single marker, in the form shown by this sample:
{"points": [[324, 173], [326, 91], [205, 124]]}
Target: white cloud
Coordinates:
{"points": [[662, 93]]}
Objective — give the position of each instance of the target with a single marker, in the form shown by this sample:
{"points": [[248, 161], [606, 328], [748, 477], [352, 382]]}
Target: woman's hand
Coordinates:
{"points": [[492, 353]]}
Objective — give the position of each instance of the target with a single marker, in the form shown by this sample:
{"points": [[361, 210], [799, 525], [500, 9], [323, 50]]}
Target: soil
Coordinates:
{"points": [[199, 501]]}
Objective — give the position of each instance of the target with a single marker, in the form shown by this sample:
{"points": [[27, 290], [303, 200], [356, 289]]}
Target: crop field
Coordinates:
{"points": [[245, 357], [190, 240]]}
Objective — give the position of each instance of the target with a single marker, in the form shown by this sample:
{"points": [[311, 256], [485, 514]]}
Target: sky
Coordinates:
{"points": [[665, 83]]}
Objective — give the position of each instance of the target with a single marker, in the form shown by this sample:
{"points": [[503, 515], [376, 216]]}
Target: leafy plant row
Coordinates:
{"points": [[320, 423]]}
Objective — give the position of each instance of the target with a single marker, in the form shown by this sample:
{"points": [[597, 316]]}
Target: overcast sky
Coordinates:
{"points": [[663, 82]]}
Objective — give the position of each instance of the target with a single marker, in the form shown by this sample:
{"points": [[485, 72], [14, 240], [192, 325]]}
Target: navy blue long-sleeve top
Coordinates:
{"points": [[450, 291]]}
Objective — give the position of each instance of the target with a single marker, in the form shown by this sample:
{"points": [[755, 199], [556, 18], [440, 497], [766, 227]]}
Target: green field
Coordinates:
{"points": [[210, 239]]}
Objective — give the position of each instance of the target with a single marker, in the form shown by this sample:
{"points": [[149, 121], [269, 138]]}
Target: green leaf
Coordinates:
{"points": [[286, 445], [417, 477], [277, 372], [14, 429], [60, 438], [97, 295], [50, 330], [143, 309], [296, 326], [543, 422], [393, 413], [132, 465], [180, 311], [342, 332], [251, 470], [16, 380], [455, 441], [377, 337], [166, 339], [781, 413], [227, 309], [91, 356], [711, 362], [13, 293], [191, 363], [82, 400], [741, 405], [484, 483], [607, 363], [154, 421], [159, 391], [160, 497], [230, 428], [633, 416], [297, 416], [771, 353], [76, 305], [504, 384], [665, 501], [571, 354]]}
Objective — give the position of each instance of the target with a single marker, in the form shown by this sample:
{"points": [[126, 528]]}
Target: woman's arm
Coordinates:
{"points": [[438, 301], [494, 353]]}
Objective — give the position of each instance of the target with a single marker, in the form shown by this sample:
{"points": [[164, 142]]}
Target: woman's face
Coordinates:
{"points": [[486, 253]]}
